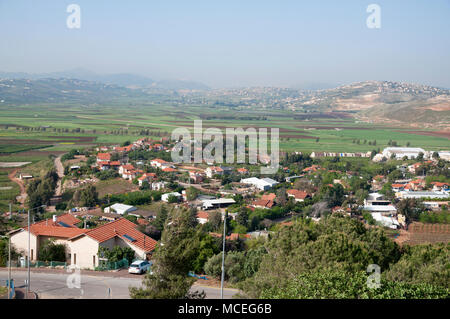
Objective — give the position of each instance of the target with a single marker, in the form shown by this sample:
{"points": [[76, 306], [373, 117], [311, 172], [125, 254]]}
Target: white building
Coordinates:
{"points": [[400, 152], [165, 197], [260, 183], [120, 209], [386, 221], [217, 203], [423, 194], [445, 155]]}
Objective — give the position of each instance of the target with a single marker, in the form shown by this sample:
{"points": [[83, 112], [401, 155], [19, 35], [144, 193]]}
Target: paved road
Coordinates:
{"points": [[53, 285]]}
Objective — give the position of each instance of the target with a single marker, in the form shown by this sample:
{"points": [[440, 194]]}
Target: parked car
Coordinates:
{"points": [[139, 267]]}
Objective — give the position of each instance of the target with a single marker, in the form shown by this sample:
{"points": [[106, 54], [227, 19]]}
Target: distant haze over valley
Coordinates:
{"points": [[371, 101]]}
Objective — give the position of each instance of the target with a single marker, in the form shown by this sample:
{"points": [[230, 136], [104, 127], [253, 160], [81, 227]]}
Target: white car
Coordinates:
{"points": [[139, 267]]}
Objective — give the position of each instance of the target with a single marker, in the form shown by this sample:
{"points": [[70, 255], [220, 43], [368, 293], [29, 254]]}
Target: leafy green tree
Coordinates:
{"points": [[172, 260], [4, 250], [117, 253], [89, 196], [423, 264], [191, 193], [50, 251], [332, 284], [242, 216], [336, 242]]}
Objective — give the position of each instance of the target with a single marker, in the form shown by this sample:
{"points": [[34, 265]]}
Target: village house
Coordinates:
{"points": [[147, 177], [59, 228], [124, 149], [196, 177], [242, 170], [214, 170], [202, 217], [270, 196], [439, 186], [102, 157], [262, 203], [299, 196], [158, 163], [122, 232]]}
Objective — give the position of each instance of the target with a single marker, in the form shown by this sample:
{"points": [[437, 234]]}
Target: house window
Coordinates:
{"points": [[93, 260], [32, 254], [74, 259]]}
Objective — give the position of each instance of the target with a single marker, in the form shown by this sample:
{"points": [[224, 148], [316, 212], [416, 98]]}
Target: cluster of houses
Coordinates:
{"points": [[82, 244]]}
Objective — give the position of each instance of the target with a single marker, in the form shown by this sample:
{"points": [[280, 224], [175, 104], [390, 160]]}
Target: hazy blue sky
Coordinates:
{"points": [[233, 42]]}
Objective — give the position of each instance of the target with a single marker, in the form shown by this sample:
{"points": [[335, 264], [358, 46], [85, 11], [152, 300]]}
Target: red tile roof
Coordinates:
{"points": [[128, 167], [142, 221], [263, 203], [51, 229], [169, 169], [297, 194], [203, 214], [120, 228], [104, 156], [158, 160], [270, 196]]}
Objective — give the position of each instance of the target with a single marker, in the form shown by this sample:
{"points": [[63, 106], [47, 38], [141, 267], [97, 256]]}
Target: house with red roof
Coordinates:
{"points": [[147, 177], [59, 228], [157, 162], [242, 170], [270, 196], [299, 196], [439, 186], [101, 157], [122, 232], [262, 203], [202, 217], [214, 170], [196, 176]]}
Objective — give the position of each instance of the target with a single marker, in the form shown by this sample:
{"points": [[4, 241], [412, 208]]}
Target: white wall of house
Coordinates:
{"points": [[20, 241], [84, 252]]}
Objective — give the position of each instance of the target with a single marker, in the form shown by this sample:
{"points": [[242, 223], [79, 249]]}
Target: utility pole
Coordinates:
{"points": [[29, 253], [223, 255], [9, 268], [29, 247]]}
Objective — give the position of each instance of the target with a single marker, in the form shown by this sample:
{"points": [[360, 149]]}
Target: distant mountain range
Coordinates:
{"points": [[122, 79]]}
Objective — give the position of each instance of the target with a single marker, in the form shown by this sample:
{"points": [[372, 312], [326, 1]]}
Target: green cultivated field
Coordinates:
{"points": [[96, 124]]}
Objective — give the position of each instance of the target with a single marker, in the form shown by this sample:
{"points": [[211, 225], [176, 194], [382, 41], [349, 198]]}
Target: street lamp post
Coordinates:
{"points": [[29, 246], [9, 268], [9, 264], [223, 255]]}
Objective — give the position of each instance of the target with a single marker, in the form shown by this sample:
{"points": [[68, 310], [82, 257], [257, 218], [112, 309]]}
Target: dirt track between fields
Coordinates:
{"points": [[23, 192]]}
